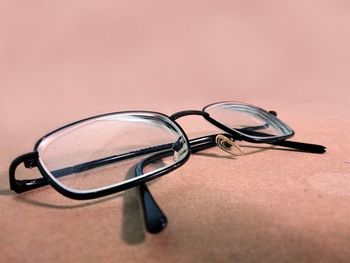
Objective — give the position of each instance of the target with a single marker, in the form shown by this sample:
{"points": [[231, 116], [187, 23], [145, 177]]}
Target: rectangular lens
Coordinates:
{"points": [[249, 120], [103, 151]]}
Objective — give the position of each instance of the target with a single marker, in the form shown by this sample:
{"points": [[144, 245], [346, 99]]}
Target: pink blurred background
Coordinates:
{"points": [[71, 59], [83, 57]]}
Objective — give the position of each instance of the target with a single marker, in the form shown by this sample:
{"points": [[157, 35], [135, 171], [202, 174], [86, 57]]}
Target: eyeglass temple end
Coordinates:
{"points": [[306, 147], [155, 219], [30, 161]]}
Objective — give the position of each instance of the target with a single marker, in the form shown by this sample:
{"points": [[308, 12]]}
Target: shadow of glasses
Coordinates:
{"points": [[133, 231], [6, 192], [132, 223], [27, 197]]}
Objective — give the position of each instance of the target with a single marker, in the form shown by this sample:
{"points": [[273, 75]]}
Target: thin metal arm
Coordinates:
{"points": [[30, 160], [156, 220], [196, 145], [305, 147], [109, 160]]}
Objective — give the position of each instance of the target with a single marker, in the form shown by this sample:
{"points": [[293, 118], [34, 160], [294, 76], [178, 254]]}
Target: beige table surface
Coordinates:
{"points": [[61, 61]]}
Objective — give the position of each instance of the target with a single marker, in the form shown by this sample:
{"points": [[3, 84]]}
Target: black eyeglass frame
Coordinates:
{"points": [[32, 159]]}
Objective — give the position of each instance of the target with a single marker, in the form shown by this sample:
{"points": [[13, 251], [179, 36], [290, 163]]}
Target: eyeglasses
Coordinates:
{"points": [[109, 153]]}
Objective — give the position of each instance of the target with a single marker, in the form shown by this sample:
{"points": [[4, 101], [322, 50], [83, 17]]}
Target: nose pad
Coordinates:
{"points": [[179, 149], [228, 145]]}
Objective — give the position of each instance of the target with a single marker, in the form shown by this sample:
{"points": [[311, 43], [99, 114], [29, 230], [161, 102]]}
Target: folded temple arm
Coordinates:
{"points": [[154, 217], [30, 160]]}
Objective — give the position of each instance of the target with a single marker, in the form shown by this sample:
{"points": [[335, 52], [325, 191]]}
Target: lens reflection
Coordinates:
{"points": [[248, 120], [99, 152]]}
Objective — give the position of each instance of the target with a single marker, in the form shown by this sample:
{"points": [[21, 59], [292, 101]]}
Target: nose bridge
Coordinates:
{"points": [[220, 140], [207, 119], [180, 114]]}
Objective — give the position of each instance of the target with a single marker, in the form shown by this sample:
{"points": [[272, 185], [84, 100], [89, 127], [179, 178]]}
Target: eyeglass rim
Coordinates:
{"points": [[151, 176], [244, 136], [95, 193]]}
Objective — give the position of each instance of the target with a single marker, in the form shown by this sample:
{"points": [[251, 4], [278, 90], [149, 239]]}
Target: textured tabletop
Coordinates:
{"points": [[62, 61]]}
